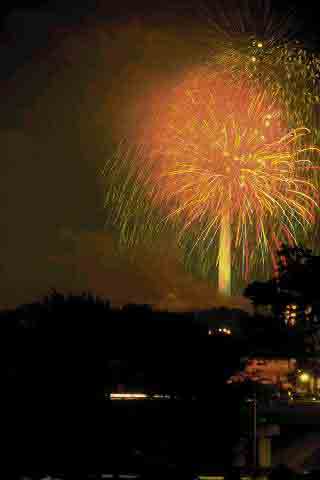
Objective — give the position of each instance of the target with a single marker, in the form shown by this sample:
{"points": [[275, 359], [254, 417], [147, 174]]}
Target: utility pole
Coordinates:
{"points": [[254, 432], [252, 400]]}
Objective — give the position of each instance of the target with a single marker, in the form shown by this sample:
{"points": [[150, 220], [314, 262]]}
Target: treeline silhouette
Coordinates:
{"points": [[59, 358], [78, 346], [295, 280]]}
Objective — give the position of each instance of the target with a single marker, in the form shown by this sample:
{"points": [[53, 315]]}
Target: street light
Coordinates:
{"points": [[304, 377]]}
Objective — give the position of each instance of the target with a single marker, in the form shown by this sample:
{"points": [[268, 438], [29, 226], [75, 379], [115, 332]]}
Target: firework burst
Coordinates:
{"points": [[250, 38], [289, 72], [228, 160], [222, 162]]}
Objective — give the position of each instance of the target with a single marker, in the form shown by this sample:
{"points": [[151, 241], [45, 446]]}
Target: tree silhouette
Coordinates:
{"points": [[294, 282]]}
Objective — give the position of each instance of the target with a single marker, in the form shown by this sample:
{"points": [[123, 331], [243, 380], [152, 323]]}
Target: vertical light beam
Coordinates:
{"points": [[224, 258]]}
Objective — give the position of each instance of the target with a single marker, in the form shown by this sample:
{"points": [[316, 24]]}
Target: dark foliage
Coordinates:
{"points": [[295, 280], [294, 285]]}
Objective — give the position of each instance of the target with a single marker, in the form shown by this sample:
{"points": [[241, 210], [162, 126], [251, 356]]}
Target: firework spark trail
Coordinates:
{"points": [[257, 18], [251, 38], [127, 199], [291, 73]]}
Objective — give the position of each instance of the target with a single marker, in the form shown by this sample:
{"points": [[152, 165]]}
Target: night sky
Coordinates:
{"points": [[73, 83]]}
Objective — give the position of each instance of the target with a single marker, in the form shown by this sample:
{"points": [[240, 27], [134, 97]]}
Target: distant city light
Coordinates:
{"points": [[138, 396], [304, 377], [219, 331], [291, 315], [128, 396]]}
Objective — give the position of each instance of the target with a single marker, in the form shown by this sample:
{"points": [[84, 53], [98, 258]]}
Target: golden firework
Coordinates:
{"points": [[225, 163]]}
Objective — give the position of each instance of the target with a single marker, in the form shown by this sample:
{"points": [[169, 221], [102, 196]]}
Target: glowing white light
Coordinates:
{"points": [[128, 396]]}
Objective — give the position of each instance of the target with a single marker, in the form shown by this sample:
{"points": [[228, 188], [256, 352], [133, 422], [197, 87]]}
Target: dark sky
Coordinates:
{"points": [[73, 79]]}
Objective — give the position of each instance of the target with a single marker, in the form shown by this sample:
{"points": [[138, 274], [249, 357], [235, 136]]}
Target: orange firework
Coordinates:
{"points": [[225, 163]]}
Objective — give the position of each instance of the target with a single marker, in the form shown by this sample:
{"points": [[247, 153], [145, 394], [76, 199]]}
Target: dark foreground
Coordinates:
{"points": [[153, 439]]}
